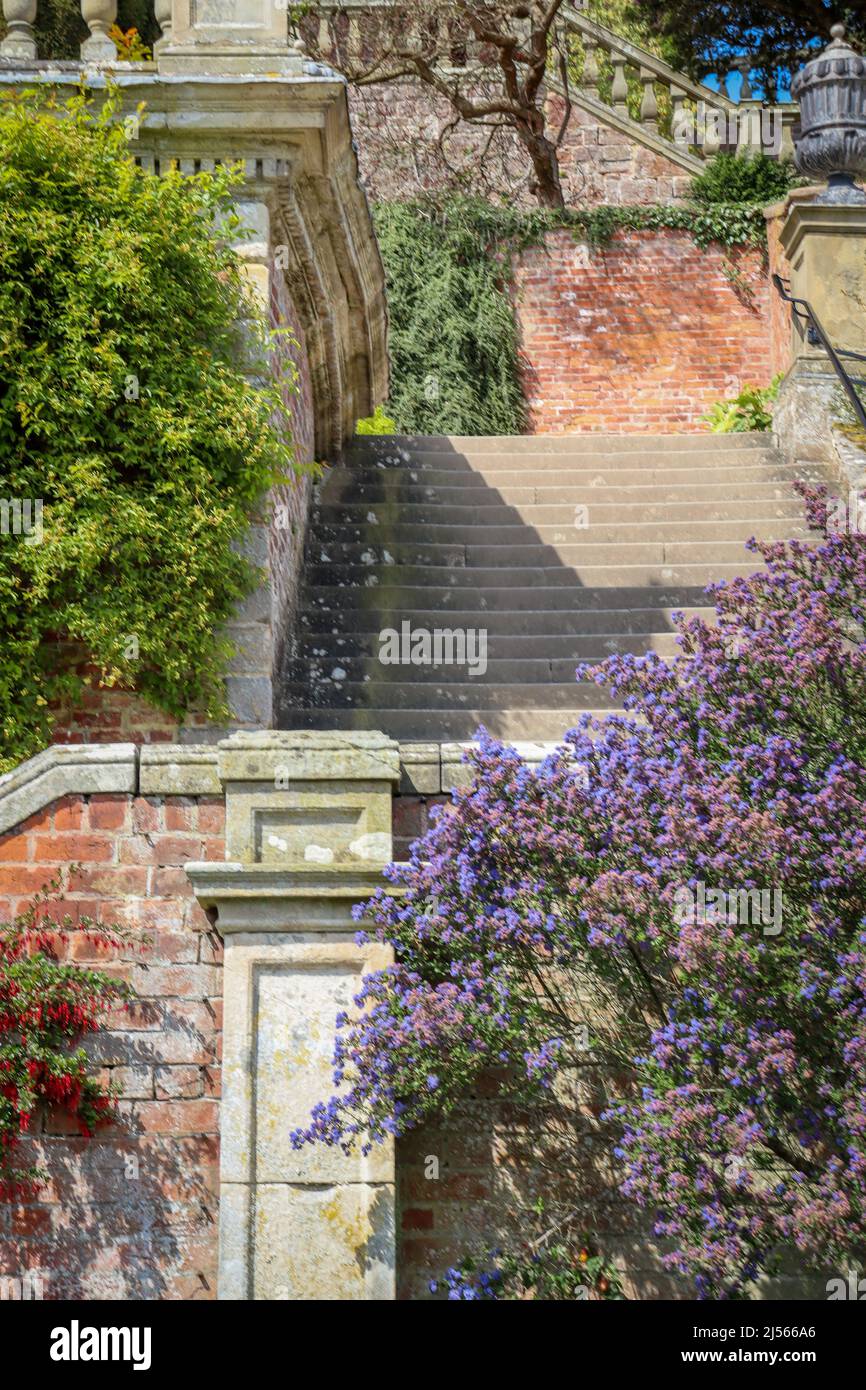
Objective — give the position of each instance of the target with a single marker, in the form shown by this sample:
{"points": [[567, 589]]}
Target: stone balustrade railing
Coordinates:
{"points": [[697, 121], [98, 15]]}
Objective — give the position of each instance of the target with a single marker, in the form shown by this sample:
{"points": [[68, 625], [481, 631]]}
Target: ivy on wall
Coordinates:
{"points": [[132, 447], [453, 335]]}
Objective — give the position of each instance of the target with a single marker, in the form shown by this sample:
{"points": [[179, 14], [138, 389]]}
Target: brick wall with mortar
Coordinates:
{"points": [[642, 334], [132, 1212]]}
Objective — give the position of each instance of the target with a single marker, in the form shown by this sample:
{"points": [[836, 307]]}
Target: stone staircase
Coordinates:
{"points": [[559, 548]]}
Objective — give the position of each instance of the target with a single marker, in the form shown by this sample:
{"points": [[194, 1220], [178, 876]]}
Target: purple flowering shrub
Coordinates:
{"points": [[541, 931]]}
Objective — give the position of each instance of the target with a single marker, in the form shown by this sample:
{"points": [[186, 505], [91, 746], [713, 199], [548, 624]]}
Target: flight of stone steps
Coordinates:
{"points": [[559, 549]]}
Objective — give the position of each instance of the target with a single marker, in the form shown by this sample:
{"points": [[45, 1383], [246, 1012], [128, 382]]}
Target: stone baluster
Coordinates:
{"points": [[20, 41], [619, 87], [326, 44], [743, 66], [649, 107], [589, 81], [162, 15], [682, 120], [99, 15], [354, 44]]}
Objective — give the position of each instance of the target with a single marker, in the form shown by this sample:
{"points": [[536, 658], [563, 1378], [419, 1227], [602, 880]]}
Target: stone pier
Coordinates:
{"points": [[308, 821]]}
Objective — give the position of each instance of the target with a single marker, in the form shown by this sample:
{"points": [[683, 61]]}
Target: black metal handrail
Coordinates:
{"points": [[815, 335]]}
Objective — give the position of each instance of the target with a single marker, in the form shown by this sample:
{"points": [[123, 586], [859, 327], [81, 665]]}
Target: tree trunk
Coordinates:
{"points": [[546, 186]]}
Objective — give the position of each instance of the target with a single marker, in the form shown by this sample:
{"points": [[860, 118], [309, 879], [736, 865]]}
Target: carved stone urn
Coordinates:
{"points": [[831, 139]]}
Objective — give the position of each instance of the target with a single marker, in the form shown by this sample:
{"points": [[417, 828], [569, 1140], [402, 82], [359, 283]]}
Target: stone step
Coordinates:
{"points": [[480, 534], [562, 443], [487, 666], [445, 541], [505, 461], [495, 514], [415, 725], [322, 623], [401, 492], [569, 694], [595, 474], [628, 565], [681, 590], [364, 647], [558, 564]]}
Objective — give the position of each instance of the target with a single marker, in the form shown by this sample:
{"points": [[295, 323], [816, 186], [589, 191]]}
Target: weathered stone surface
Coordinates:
{"points": [[104, 767], [420, 768], [312, 1222], [179, 770], [313, 799], [824, 245]]}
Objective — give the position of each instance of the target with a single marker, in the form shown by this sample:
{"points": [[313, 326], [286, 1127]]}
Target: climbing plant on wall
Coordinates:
{"points": [[47, 1005], [132, 447]]}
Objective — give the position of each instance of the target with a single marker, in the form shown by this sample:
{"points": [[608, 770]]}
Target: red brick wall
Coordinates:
{"points": [[132, 1212], [640, 335], [781, 337]]}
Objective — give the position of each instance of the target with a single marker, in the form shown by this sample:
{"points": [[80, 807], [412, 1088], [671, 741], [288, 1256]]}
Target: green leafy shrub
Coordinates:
{"points": [[128, 427], [377, 423], [750, 410], [753, 178], [453, 338]]}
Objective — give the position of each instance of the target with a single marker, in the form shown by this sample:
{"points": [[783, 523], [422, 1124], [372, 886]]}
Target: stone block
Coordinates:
{"points": [[420, 768], [178, 770], [311, 1222], [250, 699]]}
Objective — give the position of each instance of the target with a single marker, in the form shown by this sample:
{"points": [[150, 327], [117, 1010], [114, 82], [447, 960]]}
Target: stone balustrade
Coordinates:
{"points": [[674, 113], [98, 15]]}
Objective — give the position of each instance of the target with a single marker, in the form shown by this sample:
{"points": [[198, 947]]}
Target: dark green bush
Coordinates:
{"points": [[735, 178], [453, 337]]}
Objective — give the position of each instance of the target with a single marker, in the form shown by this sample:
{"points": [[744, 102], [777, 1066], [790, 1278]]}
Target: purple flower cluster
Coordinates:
{"points": [[738, 1116]]}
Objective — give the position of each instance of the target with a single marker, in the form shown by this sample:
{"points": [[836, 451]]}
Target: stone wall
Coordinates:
{"points": [[642, 334], [134, 1212], [408, 144]]}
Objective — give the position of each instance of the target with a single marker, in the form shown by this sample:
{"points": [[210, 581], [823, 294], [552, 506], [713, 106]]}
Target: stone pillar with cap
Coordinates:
{"points": [[308, 819], [823, 238]]}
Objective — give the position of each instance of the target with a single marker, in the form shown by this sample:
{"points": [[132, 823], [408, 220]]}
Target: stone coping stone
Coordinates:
{"points": [[297, 899], [66, 769], [308, 755], [175, 769]]}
